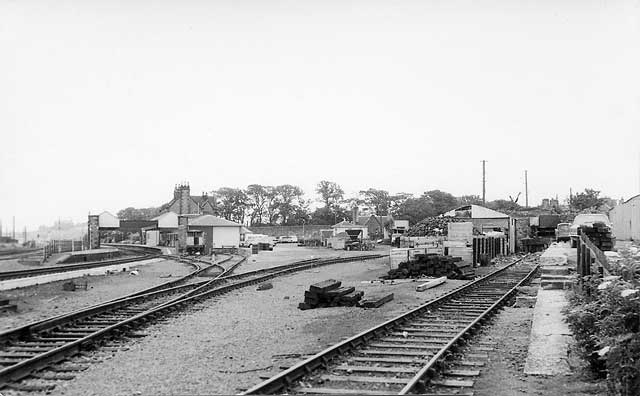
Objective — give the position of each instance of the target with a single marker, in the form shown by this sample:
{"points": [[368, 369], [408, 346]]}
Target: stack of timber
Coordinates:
{"points": [[329, 293], [600, 234], [433, 226], [433, 265]]}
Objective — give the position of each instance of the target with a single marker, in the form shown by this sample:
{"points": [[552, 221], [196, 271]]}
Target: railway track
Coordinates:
{"points": [[15, 254], [404, 354], [19, 274], [26, 350]]}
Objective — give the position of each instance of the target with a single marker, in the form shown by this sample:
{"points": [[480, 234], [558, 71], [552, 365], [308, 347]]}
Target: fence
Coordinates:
{"points": [[486, 248], [589, 254], [63, 246]]}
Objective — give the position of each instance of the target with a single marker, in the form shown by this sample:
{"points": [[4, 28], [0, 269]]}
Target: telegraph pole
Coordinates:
{"points": [[526, 190], [13, 235], [484, 181]]}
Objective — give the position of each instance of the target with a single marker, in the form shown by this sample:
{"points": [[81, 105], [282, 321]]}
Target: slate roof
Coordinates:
{"points": [[212, 221]]}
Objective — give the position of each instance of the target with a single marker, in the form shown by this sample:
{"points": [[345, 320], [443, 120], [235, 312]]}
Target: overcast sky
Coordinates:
{"points": [[107, 104]]}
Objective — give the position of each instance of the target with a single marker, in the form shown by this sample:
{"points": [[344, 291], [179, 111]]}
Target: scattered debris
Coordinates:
{"points": [[6, 306], [376, 302], [525, 302], [134, 272], [165, 276], [265, 286], [73, 285], [431, 284]]}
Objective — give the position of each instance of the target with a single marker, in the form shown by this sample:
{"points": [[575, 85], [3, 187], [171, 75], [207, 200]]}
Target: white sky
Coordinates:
{"points": [[107, 104]]}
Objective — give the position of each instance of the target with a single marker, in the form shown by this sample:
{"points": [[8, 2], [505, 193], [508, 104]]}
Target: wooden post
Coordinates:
{"points": [[578, 265]]}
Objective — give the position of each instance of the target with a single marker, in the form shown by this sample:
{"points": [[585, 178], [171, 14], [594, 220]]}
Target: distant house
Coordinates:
{"points": [[108, 221], [183, 203], [375, 225], [164, 232], [343, 226]]}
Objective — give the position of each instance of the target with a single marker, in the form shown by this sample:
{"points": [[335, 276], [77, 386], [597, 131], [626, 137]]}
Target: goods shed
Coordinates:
{"points": [[217, 232], [483, 219]]}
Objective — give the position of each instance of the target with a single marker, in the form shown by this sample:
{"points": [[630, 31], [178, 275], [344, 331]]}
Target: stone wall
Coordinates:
{"points": [[310, 231], [94, 231]]}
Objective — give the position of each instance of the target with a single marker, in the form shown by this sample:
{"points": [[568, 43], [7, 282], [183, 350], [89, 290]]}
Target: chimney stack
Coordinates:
{"points": [[355, 215]]}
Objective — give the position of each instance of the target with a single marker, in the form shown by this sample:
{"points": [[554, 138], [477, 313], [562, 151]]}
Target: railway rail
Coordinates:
{"points": [[404, 354], [28, 349], [54, 269], [17, 253]]}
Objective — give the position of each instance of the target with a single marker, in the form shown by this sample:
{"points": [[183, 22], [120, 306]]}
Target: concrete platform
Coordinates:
{"points": [[550, 336]]}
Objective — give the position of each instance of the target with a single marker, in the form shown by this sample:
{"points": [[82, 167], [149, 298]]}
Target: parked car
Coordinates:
{"points": [[563, 232], [587, 219], [288, 239]]}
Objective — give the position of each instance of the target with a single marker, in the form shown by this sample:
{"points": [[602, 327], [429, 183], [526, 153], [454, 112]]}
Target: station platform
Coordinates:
{"points": [[550, 334]]}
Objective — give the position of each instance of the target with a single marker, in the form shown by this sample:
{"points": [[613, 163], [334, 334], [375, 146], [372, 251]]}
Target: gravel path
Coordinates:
{"points": [[223, 346], [504, 373], [46, 300]]}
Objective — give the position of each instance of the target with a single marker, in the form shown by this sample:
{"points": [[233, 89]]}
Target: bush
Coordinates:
{"points": [[605, 319]]}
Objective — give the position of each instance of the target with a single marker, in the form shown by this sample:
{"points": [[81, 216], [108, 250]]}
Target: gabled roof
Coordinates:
{"points": [[212, 221], [478, 212], [165, 214], [345, 223], [364, 220]]}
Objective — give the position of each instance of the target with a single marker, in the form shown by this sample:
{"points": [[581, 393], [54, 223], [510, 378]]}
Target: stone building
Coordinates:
{"points": [[183, 203]]}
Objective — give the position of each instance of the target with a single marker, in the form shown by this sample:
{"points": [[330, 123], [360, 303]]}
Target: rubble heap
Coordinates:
{"points": [[433, 265], [433, 226], [600, 234], [328, 293]]}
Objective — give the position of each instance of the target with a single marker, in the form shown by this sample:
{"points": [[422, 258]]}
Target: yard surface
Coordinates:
{"points": [[230, 343]]}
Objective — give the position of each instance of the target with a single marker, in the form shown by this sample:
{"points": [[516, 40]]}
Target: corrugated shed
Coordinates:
{"points": [[626, 219]]}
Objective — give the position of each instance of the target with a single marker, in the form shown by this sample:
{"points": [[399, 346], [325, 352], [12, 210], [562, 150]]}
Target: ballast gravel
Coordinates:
{"points": [[227, 344], [49, 299]]}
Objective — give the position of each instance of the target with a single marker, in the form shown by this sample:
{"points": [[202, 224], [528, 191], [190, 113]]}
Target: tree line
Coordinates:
{"points": [[286, 205]]}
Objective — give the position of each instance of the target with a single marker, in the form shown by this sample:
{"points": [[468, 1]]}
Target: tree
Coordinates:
{"points": [[395, 203], [330, 193], [257, 195], [416, 209], [470, 200], [587, 200], [378, 200], [503, 205], [289, 199], [441, 201], [232, 203]]}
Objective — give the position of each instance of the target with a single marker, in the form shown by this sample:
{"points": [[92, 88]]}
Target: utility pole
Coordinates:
{"points": [[13, 234], [484, 180], [570, 198], [526, 190]]}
